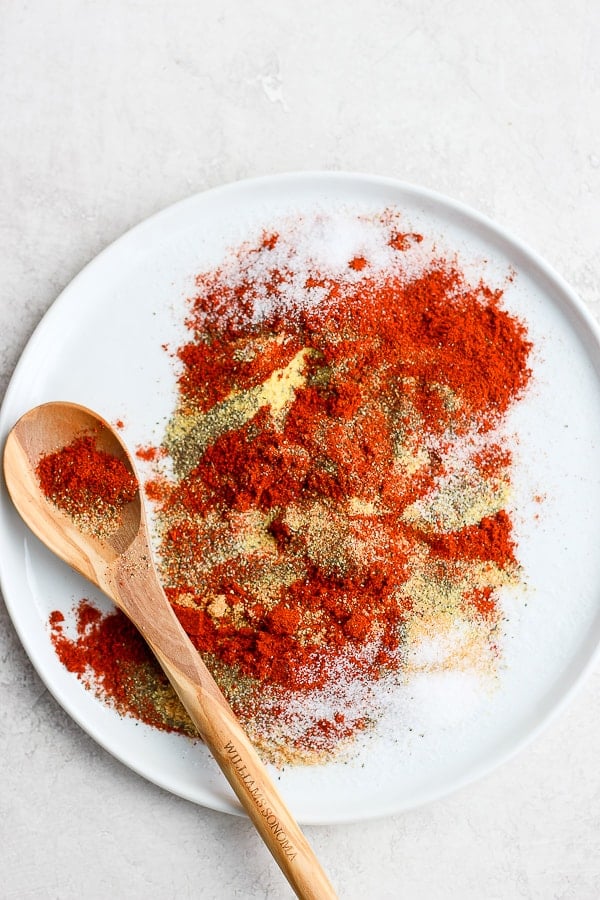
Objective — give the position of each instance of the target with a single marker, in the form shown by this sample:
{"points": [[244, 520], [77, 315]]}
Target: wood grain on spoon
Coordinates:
{"points": [[121, 565]]}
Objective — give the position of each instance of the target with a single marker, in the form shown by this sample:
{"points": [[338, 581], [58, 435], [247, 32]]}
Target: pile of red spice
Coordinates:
{"points": [[338, 484], [87, 483]]}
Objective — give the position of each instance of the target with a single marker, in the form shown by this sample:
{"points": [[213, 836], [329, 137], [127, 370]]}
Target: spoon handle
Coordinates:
{"points": [[139, 594]]}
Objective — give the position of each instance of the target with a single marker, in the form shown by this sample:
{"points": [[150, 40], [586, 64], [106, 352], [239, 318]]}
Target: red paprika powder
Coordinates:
{"points": [[86, 483]]}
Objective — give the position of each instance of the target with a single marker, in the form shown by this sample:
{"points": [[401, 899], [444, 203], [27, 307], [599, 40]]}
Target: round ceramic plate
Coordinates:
{"points": [[101, 345]]}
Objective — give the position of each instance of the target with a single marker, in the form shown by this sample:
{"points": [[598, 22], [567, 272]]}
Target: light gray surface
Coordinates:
{"points": [[112, 110]]}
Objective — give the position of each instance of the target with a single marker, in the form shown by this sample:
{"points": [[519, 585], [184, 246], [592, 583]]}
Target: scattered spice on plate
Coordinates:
{"points": [[88, 484], [332, 498], [110, 657]]}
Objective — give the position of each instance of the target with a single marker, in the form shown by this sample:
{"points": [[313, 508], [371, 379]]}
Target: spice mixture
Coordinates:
{"points": [[87, 484], [331, 500], [109, 655]]}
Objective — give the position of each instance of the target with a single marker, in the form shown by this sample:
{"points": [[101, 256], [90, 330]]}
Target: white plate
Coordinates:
{"points": [[100, 345]]}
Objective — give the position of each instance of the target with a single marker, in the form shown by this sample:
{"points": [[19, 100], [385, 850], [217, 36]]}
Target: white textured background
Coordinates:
{"points": [[111, 110]]}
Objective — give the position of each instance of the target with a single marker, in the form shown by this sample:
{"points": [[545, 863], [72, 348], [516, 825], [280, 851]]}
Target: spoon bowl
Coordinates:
{"points": [[47, 429], [121, 565]]}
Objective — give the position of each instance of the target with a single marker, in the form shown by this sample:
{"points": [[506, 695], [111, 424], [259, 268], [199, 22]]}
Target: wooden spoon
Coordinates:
{"points": [[121, 565]]}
